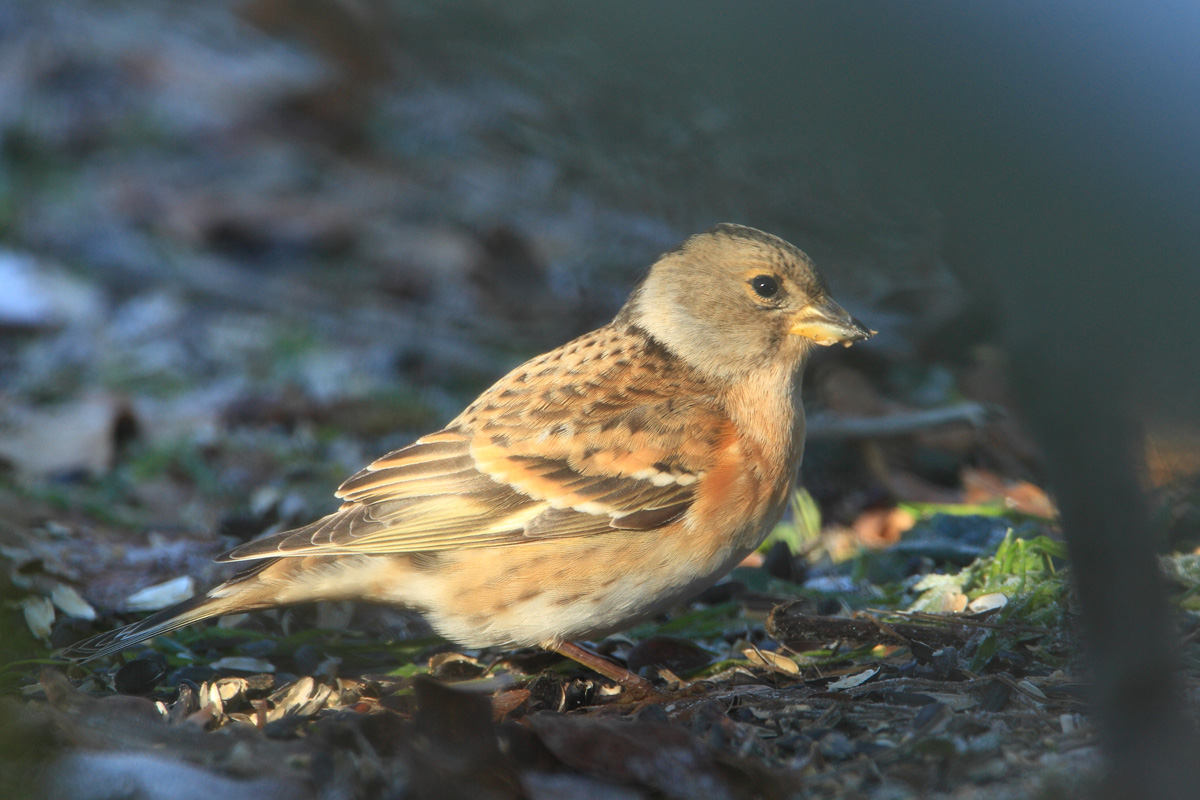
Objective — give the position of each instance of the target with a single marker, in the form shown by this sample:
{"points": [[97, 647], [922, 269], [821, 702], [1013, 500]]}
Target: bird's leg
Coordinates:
{"points": [[602, 665]]}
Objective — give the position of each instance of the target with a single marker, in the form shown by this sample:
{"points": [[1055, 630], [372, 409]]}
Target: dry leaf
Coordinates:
{"points": [[71, 603], [243, 664], [850, 681], [504, 703], [34, 294], [987, 602], [79, 436], [880, 527], [303, 698], [1026, 686], [982, 486], [161, 595], [954, 603], [39, 616], [772, 661]]}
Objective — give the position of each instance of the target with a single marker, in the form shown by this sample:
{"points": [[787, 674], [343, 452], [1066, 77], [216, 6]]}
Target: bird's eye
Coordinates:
{"points": [[765, 285]]}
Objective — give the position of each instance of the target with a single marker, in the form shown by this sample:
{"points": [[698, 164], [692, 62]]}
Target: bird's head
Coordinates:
{"points": [[735, 299]]}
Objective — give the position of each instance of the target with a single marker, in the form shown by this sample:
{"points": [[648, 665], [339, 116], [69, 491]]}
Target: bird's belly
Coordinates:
{"points": [[556, 591]]}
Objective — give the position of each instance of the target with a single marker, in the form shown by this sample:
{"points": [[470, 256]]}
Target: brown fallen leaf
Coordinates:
{"points": [[776, 662], [878, 528], [983, 486], [504, 703], [83, 435]]}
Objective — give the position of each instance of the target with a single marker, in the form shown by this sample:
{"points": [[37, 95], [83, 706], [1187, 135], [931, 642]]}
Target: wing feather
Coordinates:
{"points": [[587, 439]]}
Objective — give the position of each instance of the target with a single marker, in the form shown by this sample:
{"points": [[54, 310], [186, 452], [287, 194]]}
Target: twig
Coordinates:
{"points": [[830, 426], [971, 622], [790, 626]]}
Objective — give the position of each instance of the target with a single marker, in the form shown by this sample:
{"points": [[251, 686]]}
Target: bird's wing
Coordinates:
{"points": [[609, 432]]}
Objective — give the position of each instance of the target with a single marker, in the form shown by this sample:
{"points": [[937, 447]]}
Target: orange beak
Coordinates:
{"points": [[826, 323]]}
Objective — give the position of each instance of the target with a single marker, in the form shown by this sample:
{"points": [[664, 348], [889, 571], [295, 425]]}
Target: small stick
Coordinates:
{"points": [[829, 426], [602, 665], [788, 627]]}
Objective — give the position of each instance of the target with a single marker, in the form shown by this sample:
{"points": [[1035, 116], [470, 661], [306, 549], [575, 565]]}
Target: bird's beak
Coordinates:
{"points": [[826, 323]]}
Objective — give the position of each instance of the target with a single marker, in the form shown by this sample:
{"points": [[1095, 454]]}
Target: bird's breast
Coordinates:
{"points": [[741, 495]]}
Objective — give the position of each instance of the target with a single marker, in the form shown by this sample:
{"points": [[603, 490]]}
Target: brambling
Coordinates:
{"points": [[590, 488]]}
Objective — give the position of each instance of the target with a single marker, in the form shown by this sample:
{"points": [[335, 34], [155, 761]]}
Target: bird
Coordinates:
{"points": [[590, 488]]}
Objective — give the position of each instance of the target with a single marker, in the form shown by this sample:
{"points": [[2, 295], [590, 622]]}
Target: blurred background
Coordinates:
{"points": [[241, 234], [248, 245]]}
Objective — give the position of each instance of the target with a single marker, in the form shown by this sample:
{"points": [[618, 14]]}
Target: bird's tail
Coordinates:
{"points": [[169, 619], [227, 598]]}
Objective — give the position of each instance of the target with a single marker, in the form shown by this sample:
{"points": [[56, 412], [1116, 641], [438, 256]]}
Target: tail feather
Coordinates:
{"points": [[237, 594], [268, 583], [169, 619]]}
